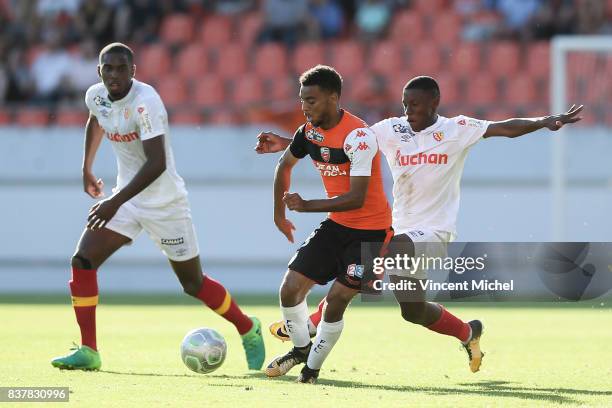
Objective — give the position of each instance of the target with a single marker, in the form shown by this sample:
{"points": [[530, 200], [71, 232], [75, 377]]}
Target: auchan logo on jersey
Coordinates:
{"points": [[421, 158], [330, 170], [116, 137]]}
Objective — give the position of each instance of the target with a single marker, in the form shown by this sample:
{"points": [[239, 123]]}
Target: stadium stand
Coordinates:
{"points": [[212, 63]]}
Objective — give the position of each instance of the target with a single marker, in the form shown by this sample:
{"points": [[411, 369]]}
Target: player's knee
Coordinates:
{"points": [[291, 291], [80, 261]]}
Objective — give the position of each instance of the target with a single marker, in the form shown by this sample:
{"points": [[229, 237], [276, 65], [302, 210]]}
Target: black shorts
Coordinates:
{"points": [[334, 251]]}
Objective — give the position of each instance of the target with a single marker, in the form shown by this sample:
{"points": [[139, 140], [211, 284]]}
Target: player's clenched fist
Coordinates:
{"points": [[92, 186], [294, 202], [269, 142]]}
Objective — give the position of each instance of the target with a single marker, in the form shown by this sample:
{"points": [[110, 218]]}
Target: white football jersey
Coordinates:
{"points": [[427, 168], [139, 116]]}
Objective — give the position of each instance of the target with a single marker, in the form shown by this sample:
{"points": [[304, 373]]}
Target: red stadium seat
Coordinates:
{"points": [[307, 55], [500, 113], [347, 57], [153, 62], [231, 61], [430, 7], [481, 90], [271, 61], [248, 90], [173, 91], [177, 29], [249, 27], [504, 59], [521, 90], [386, 58], [407, 27], [449, 88], [284, 89], [5, 117], [192, 62], [186, 117], [223, 117], [425, 59], [71, 117], [216, 32], [396, 83], [209, 92], [445, 29], [538, 59], [26, 116], [465, 58]]}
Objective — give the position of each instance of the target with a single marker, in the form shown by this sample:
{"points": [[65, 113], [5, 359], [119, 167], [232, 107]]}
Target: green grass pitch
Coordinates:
{"points": [[536, 355]]}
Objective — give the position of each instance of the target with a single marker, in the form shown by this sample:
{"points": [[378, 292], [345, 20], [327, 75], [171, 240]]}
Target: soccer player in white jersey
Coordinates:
{"points": [[149, 196], [426, 153]]}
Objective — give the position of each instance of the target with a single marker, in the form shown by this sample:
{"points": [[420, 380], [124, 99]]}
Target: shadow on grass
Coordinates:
{"points": [[187, 375], [494, 389]]}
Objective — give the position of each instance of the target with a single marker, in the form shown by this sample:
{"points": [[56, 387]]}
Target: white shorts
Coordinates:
{"points": [[170, 227], [428, 243]]}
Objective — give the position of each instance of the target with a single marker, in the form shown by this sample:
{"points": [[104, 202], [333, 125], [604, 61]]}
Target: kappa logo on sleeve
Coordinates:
{"points": [[362, 146], [438, 136]]}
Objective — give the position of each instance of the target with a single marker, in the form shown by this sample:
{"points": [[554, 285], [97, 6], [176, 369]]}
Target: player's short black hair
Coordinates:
{"points": [[424, 83], [324, 76], [119, 48]]}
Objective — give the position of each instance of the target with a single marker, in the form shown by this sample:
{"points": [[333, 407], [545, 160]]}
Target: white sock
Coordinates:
{"points": [[312, 329], [327, 336], [295, 321]]}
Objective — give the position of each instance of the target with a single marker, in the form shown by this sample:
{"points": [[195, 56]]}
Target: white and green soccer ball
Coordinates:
{"points": [[203, 350]]}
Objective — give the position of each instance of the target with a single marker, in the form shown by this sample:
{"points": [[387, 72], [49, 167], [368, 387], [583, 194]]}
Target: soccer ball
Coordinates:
{"points": [[203, 350]]}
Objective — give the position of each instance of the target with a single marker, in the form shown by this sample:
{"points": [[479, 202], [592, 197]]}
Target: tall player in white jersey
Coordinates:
{"points": [[149, 196], [426, 153]]}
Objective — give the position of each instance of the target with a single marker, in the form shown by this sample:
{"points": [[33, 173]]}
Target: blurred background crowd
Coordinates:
{"points": [[236, 61]]}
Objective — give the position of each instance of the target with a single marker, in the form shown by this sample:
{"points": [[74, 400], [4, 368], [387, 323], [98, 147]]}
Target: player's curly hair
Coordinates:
{"points": [[424, 83], [119, 48], [324, 76]]}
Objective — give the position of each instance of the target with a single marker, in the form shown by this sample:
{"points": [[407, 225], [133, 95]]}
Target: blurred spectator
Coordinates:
{"points": [[229, 7], [591, 16], [328, 17], [95, 18], [138, 21], [51, 8], [84, 71], [554, 17], [516, 15], [372, 18], [50, 68], [20, 81], [284, 21], [4, 81]]}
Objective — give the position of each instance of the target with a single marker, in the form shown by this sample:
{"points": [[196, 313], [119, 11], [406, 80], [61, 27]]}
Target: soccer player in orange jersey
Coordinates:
{"points": [[345, 153], [426, 153]]}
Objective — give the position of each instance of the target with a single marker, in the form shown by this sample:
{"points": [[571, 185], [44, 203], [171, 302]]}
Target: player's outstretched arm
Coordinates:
{"points": [[153, 167], [521, 126], [269, 142], [351, 200], [93, 137], [282, 182]]}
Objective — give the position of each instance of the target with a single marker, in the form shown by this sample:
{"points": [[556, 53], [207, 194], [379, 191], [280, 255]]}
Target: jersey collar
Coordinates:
{"points": [[127, 98]]}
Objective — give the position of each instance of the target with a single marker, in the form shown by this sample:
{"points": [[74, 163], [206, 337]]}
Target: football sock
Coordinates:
{"points": [[327, 336], [295, 322], [216, 297], [451, 325], [315, 318], [84, 292]]}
